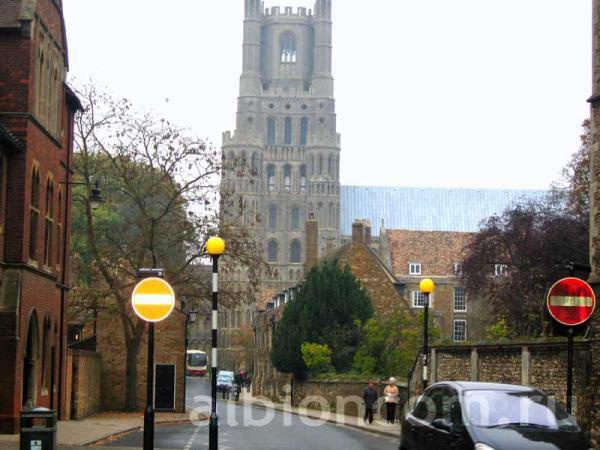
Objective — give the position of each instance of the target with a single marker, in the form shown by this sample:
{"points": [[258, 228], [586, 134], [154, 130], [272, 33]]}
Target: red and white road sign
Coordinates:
{"points": [[153, 299], [571, 301]]}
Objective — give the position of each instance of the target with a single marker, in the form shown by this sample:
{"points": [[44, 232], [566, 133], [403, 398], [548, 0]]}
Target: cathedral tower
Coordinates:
{"points": [[282, 162]]}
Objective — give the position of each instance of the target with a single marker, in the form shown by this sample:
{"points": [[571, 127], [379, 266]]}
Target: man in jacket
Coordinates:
{"points": [[370, 398]]}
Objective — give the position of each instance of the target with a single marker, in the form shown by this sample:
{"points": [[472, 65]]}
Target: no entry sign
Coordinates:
{"points": [[153, 299], [571, 302]]}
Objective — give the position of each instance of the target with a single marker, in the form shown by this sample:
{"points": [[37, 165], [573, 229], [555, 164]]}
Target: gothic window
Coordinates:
{"points": [[311, 164], [288, 131], [273, 217], [59, 228], [331, 166], [331, 215], [295, 219], [287, 178], [288, 48], [296, 252], [255, 163], [304, 131], [244, 161], [272, 252], [320, 165], [270, 131], [49, 224], [34, 215], [271, 178], [302, 178]]}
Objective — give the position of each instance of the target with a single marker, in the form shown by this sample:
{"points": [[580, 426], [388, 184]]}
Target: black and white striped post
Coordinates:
{"points": [[215, 247]]}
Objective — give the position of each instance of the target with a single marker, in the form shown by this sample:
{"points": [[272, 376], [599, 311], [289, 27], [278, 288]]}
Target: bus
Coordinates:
{"points": [[196, 363]]}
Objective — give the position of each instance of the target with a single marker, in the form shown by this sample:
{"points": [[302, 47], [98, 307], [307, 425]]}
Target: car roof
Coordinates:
{"points": [[482, 386]]}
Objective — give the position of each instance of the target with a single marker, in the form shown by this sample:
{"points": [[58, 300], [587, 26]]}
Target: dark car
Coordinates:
{"points": [[488, 416]]}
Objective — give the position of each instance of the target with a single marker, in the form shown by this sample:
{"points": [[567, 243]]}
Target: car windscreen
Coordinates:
{"points": [[494, 409], [197, 359], [223, 380]]}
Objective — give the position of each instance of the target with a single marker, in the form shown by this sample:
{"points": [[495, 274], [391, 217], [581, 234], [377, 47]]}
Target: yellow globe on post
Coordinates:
{"points": [[427, 286], [153, 299], [215, 246]]}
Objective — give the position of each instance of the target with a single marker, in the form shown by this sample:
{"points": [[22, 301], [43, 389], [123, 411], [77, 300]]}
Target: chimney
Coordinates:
{"points": [[312, 243], [361, 232]]}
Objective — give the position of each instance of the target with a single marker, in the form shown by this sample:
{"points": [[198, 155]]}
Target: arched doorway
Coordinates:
{"points": [[30, 359]]}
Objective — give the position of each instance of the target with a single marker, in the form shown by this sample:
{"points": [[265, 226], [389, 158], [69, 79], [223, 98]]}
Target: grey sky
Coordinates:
{"points": [[462, 93]]}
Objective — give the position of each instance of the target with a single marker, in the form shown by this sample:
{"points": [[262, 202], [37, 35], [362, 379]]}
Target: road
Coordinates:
{"points": [[244, 427]]}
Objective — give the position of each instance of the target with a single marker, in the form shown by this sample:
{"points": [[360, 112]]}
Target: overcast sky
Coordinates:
{"points": [[461, 93]]}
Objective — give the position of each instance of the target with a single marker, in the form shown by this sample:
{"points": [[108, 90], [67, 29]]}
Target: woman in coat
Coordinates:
{"points": [[392, 396]]}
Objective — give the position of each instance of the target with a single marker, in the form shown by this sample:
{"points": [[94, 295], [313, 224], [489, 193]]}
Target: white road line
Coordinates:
{"points": [[192, 439]]}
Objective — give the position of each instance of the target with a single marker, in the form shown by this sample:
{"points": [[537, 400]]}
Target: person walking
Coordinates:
{"points": [[392, 395], [370, 398]]}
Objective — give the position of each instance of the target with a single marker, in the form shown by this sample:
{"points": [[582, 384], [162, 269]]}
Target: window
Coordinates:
{"points": [[460, 330], [287, 140], [34, 215], [331, 166], [418, 299], [304, 131], [500, 270], [295, 219], [302, 178], [59, 228], [49, 224], [287, 178], [270, 131], [296, 252], [414, 268], [272, 253], [255, 164], [288, 48], [320, 165], [460, 299], [271, 178], [272, 217]]}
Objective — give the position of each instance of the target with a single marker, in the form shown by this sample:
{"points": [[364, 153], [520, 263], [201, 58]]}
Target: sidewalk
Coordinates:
{"points": [[104, 426], [379, 426]]}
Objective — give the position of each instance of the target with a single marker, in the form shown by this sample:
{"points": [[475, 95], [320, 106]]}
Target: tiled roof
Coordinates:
{"points": [[436, 251], [426, 209]]}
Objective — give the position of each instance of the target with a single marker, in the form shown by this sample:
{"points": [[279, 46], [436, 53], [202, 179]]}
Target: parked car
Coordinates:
{"points": [[489, 416], [225, 383]]}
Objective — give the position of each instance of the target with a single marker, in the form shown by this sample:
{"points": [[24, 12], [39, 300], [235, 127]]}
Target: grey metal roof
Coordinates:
{"points": [[426, 209]]}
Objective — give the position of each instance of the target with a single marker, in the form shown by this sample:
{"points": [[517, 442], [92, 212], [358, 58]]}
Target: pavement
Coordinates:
{"points": [[112, 429]]}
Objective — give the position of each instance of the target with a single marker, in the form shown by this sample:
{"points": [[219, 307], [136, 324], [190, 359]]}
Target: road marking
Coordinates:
{"points": [[192, 439]]}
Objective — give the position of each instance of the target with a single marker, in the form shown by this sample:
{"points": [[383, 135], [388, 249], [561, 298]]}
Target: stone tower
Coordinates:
{"points": [[282, 163]]}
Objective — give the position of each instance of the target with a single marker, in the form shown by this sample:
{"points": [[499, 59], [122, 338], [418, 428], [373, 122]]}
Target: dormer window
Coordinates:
{"points": [[500, 270], [288, 48], [414, 268]]}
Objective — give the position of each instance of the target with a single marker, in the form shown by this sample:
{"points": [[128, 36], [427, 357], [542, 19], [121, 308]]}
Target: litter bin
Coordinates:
{"points": [[38, 429]]}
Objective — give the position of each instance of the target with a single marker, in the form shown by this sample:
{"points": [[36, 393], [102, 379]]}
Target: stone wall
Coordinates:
{"points": [[344, 397], [83, 374], [539, 364]]}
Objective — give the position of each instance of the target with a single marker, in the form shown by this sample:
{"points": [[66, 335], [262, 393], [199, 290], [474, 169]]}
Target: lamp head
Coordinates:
{"points": [[427, 286], [193, 316], [215, 246], [96, 197]]}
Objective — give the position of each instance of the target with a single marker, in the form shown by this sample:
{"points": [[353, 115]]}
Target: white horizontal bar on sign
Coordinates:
{"points": [[576, 302], [152, 299]]}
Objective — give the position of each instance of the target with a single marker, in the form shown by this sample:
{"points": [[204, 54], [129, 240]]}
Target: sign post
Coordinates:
{"points": [[153, 300], [571, 303]]}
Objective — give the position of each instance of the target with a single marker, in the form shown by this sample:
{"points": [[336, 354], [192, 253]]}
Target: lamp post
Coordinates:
{"points": [[215, 247], [426, 286], [190, 317]]}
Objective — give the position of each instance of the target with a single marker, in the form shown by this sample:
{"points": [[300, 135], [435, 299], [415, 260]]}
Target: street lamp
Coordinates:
{"points": [[190, 317], [95, 199], [426, 286], [215, 247]]}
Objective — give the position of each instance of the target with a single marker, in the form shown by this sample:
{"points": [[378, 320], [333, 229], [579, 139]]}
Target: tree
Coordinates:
{"points": [[316, 357], [161, 185], [389, 344], [516, 257], [329, 310]]}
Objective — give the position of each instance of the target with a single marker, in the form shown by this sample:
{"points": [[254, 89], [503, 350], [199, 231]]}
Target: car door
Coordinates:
{"points": [[417, 430], [448, 430]]}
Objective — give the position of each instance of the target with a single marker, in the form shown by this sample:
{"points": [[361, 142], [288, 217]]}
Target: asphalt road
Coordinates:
{"points": [[244, 427]]}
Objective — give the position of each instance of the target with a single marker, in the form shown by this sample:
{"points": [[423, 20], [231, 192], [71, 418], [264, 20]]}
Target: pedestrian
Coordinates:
{"points": [[248, 382], [392, 395], [370, 398]]}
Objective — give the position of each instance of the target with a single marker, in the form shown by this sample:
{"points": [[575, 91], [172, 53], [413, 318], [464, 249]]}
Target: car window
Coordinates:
{"points": [[429, 405]]}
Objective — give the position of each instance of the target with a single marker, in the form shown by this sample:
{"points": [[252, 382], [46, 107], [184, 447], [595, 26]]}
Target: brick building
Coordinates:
{"points": [[36, 133], [415, 255]]}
